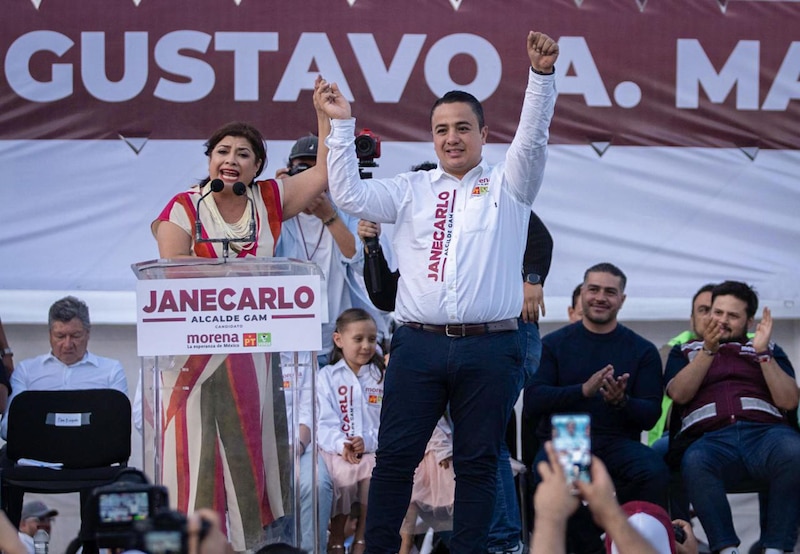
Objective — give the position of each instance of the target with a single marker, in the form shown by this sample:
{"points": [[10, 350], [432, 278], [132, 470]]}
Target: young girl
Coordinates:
{"points": [[350, 393]]}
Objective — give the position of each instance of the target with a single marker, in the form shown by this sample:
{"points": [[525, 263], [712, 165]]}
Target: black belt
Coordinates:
{"points": [[467, 329]]}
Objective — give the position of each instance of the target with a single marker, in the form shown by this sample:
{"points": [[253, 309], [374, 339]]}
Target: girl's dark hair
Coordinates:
{"points": [[347, 317], [244, 130]]}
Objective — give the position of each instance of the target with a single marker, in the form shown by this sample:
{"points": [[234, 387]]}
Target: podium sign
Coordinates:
{"points": [[227, 358], [239, 314]]}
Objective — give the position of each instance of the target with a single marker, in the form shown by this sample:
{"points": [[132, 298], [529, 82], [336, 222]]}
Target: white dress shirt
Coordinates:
{"points": [[46, 372], [349, 406], [459, 243], [27, 541]]}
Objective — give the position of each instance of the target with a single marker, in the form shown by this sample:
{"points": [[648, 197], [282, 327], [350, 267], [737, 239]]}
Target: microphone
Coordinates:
{"points": [[239, 189], [215, 186]]}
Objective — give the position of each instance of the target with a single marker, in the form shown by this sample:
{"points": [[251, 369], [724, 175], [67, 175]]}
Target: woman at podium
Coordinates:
{"points": [[220, 419]]}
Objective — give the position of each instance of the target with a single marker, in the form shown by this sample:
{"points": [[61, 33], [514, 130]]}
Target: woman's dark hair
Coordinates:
{"points": [[244, 130], [347, 317]]}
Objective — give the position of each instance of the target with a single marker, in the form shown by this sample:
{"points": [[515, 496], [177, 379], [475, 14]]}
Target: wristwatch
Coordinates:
{"points": [[533, 279], [8, 352]]}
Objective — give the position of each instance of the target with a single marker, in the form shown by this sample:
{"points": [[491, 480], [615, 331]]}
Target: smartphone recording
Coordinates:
{"points": [[572, 442]]}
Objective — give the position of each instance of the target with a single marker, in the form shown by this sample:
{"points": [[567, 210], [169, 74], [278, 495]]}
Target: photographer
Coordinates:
{"points": [[132, 515], [326, 236]]}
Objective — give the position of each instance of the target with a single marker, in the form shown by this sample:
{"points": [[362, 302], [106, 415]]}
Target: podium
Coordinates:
{"points": [[227, 350]]}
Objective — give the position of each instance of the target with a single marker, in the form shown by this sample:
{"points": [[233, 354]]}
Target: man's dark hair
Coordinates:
{"points": [[708, 287], [67, 309], [279, 548], [606, 267], [576, 294], [460, 96], [742, 291]]}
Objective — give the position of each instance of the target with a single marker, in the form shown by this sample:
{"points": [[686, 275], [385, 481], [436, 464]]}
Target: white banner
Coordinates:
{"points": [[234, 315]]}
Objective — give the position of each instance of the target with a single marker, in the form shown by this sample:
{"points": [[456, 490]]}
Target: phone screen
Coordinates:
{"points": [[573, 445]]}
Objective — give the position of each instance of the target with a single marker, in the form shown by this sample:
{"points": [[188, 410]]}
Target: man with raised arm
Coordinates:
{"points": [[459, 240]]}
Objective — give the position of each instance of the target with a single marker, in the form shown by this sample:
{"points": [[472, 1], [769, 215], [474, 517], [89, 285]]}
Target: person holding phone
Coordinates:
{"points": [[627, 532], [599, 367]]}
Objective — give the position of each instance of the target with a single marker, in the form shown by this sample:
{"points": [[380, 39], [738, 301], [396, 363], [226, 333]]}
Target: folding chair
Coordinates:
{"points": [[88, 432]]}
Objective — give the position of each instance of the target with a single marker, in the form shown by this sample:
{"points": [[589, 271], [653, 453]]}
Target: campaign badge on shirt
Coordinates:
{"points": [[481, 188], [375, 399]]}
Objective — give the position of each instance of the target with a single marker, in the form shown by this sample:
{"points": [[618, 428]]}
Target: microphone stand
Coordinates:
{"points": [[239, 189]]}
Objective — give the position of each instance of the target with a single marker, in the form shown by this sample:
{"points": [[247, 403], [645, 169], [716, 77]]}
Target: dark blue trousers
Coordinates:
{"points": [[479, 377]]}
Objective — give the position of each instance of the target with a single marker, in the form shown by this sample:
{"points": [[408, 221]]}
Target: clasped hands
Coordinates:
{"points": [[611, 388], [353, 450]]}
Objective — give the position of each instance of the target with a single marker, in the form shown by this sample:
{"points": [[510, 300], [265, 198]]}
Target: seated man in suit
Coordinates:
{"points": [[736, 396], [69, 365], [600, 367]]}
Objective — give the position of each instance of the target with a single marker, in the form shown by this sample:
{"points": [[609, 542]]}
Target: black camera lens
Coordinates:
{"points": [[366, 147]]}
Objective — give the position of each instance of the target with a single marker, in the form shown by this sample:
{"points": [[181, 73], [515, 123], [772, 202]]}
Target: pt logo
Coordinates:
{"points": [[257, 339]]}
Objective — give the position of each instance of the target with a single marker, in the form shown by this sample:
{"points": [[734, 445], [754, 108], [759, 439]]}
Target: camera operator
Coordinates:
{"points": [[132, 515], [326, 236], [204, 534], [323, 235]]}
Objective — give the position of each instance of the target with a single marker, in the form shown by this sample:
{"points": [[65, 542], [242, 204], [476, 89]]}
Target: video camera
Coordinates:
{"points": [[368, 147], [137, 516]]}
